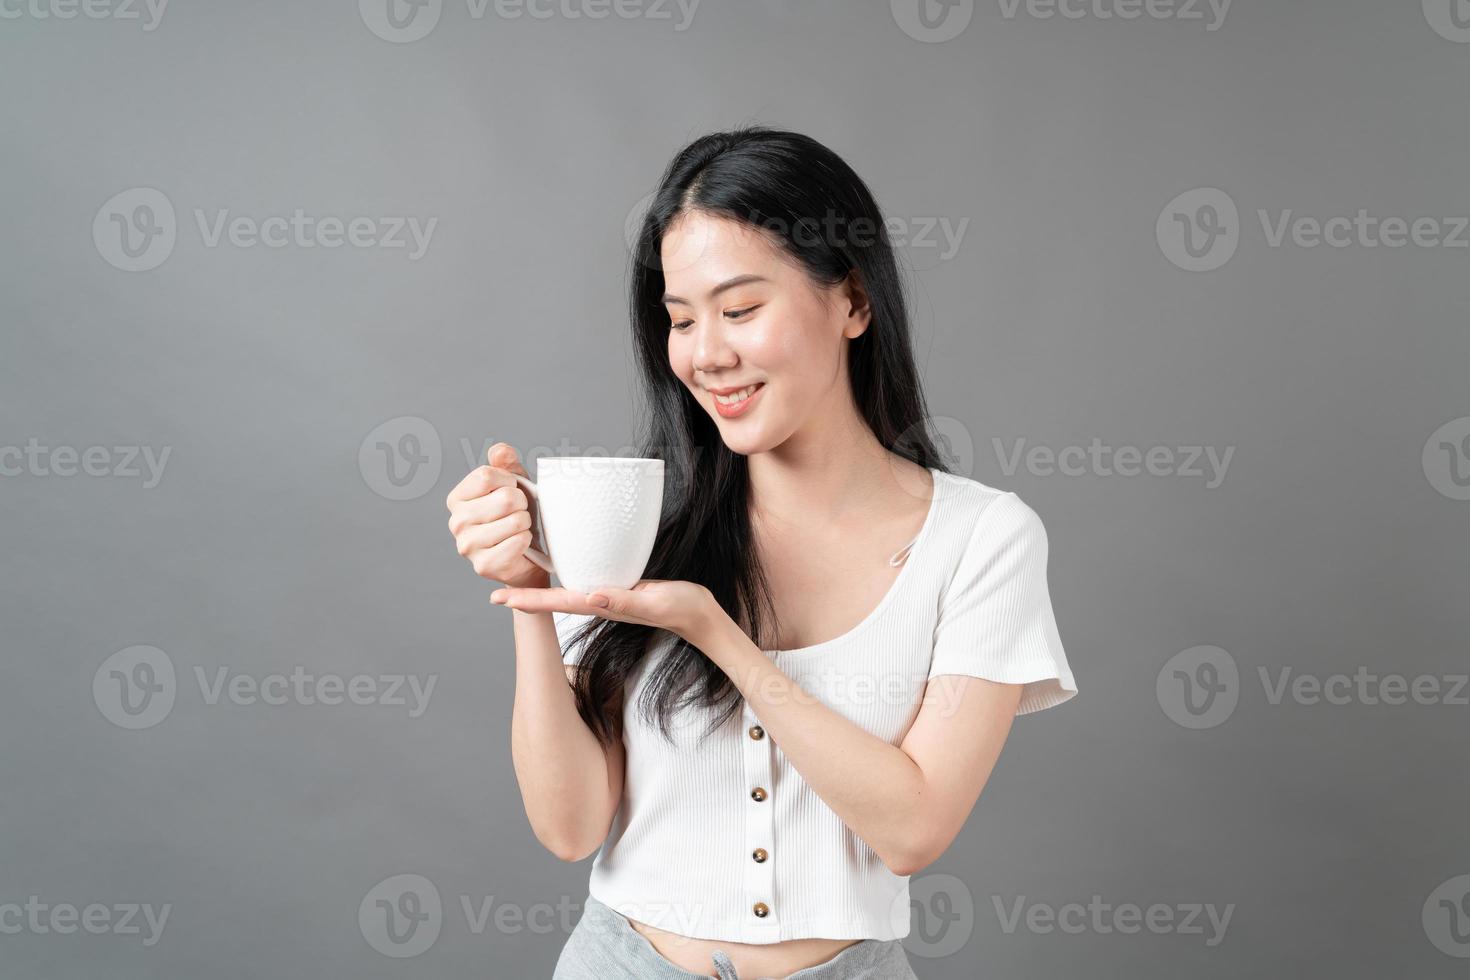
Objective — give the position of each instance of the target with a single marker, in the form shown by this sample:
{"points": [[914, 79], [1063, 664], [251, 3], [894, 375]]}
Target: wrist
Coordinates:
{"points": [[709, 622]]}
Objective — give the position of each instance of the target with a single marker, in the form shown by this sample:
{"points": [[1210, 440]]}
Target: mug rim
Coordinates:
{"points": [[600, 459]]}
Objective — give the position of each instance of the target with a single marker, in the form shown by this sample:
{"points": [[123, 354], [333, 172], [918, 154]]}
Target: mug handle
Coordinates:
{"points": [[538, 530]]}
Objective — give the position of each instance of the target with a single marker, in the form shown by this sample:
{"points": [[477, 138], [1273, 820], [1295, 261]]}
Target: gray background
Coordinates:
{"points": [[271, 544]]}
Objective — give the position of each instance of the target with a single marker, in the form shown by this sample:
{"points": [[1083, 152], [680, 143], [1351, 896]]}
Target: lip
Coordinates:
{"points": [[735, 411], [731, 390]]}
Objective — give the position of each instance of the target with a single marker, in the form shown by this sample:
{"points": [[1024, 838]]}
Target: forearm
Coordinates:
{"points": [[874, 787], [559, 764]]}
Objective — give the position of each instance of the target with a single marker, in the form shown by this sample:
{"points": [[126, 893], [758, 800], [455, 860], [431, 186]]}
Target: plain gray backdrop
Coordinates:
{"points": [[1099, 323]]}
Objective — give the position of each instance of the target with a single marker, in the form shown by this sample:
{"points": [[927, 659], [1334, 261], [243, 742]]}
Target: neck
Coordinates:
{"points": [[836, 469]]}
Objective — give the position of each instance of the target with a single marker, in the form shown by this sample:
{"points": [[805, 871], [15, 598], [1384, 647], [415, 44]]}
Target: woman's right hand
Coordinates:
{"points": [[490, 519]]}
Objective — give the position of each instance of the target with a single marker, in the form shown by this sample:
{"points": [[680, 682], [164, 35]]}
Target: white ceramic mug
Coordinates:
{"points": [[595, 518]]}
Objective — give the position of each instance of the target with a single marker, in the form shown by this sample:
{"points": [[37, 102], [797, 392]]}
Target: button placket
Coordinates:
{"points": [[758, 904]]}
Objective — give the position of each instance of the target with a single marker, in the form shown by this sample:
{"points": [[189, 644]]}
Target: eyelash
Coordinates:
{"points": [[676, 327]]}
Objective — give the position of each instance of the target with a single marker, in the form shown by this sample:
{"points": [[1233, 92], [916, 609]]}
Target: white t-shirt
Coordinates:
{"points": [[692, 851]]}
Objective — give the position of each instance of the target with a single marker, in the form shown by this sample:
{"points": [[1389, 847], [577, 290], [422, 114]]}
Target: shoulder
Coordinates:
{"points": [[986, 514]]}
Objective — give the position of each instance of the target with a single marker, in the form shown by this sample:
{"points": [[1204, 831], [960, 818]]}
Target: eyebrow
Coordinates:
{"points": [[727, 284]]}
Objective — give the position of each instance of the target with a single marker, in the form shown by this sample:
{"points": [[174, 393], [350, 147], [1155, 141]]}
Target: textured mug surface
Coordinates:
{"points": [[598, 517]]}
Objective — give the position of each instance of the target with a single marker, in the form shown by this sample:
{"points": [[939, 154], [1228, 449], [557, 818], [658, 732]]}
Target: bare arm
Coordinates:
{"points": [[570, 785], [907, 802]]}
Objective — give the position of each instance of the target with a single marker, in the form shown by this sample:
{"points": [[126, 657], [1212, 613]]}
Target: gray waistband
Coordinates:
{"points": [[630, 950]]}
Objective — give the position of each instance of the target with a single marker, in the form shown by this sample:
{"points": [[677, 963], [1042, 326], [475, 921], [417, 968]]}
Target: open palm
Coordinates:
{"points": [[680, 607]]}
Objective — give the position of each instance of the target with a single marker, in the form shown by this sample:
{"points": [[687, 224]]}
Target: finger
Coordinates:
{"points": [[477, 483], [482, 537], [544, 600], [503, 456], [498, 503]]}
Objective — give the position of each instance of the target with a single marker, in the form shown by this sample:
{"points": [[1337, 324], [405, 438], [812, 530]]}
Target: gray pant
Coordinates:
{"points": [[605, 947]]}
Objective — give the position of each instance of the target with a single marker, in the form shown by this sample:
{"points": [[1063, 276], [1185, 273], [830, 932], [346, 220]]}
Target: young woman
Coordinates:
{"points": [[798, 707]]}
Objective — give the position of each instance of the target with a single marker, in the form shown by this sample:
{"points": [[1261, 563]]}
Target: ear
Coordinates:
{"points": [[859, 312]]}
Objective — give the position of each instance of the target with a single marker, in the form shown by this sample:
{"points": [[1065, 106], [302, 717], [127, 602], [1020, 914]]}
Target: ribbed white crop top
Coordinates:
{"points": [[693, 851]]}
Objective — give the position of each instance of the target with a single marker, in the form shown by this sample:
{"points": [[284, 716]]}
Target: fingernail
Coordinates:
{"points": [[497, 596]]}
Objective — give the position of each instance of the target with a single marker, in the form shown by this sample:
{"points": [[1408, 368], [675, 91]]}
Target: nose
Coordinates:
{"points": [[712, 352]]}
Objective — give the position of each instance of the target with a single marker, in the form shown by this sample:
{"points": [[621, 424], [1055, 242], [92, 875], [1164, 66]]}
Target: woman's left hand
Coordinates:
{"points": [[683, 608]]}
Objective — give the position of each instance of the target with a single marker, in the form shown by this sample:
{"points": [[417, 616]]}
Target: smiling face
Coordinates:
{"points": [[743, 313]]}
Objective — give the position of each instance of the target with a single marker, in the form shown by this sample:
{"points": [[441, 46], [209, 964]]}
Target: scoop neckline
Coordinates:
{"points": [[915, 549]]}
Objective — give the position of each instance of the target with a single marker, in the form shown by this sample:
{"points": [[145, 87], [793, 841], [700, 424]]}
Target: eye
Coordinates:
{"points": [[680, 325], [737, 314]]}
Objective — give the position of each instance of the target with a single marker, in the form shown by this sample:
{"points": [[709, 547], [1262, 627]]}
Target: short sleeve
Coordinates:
{"points": [[995, 615], [568, 624]]}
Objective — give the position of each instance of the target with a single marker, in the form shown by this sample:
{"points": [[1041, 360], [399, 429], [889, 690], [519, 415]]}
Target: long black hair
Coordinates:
{"points": [[807, 200]]}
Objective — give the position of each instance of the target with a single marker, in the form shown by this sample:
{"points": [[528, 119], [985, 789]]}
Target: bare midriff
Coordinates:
{"points": [[749, 959]]}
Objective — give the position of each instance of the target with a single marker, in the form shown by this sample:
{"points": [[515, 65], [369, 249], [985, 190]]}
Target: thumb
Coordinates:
{"points": [[609, 600], [503, 456]]}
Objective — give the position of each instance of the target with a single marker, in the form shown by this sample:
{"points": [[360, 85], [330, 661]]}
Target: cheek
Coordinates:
{"points": [[793, 346], [680, 360]]}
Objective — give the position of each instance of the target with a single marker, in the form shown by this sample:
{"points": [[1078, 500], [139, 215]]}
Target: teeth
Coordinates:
{"points": [[736, 397]]}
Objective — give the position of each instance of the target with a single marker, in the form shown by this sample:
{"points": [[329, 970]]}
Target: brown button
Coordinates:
{"points": [[760, 855], [757, 732], [758, 794], [761, 910]]}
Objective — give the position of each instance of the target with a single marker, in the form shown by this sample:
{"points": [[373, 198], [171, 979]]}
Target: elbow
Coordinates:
{"points": [[910, 861], [572, 855], [906, 866], [569, 851]]}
